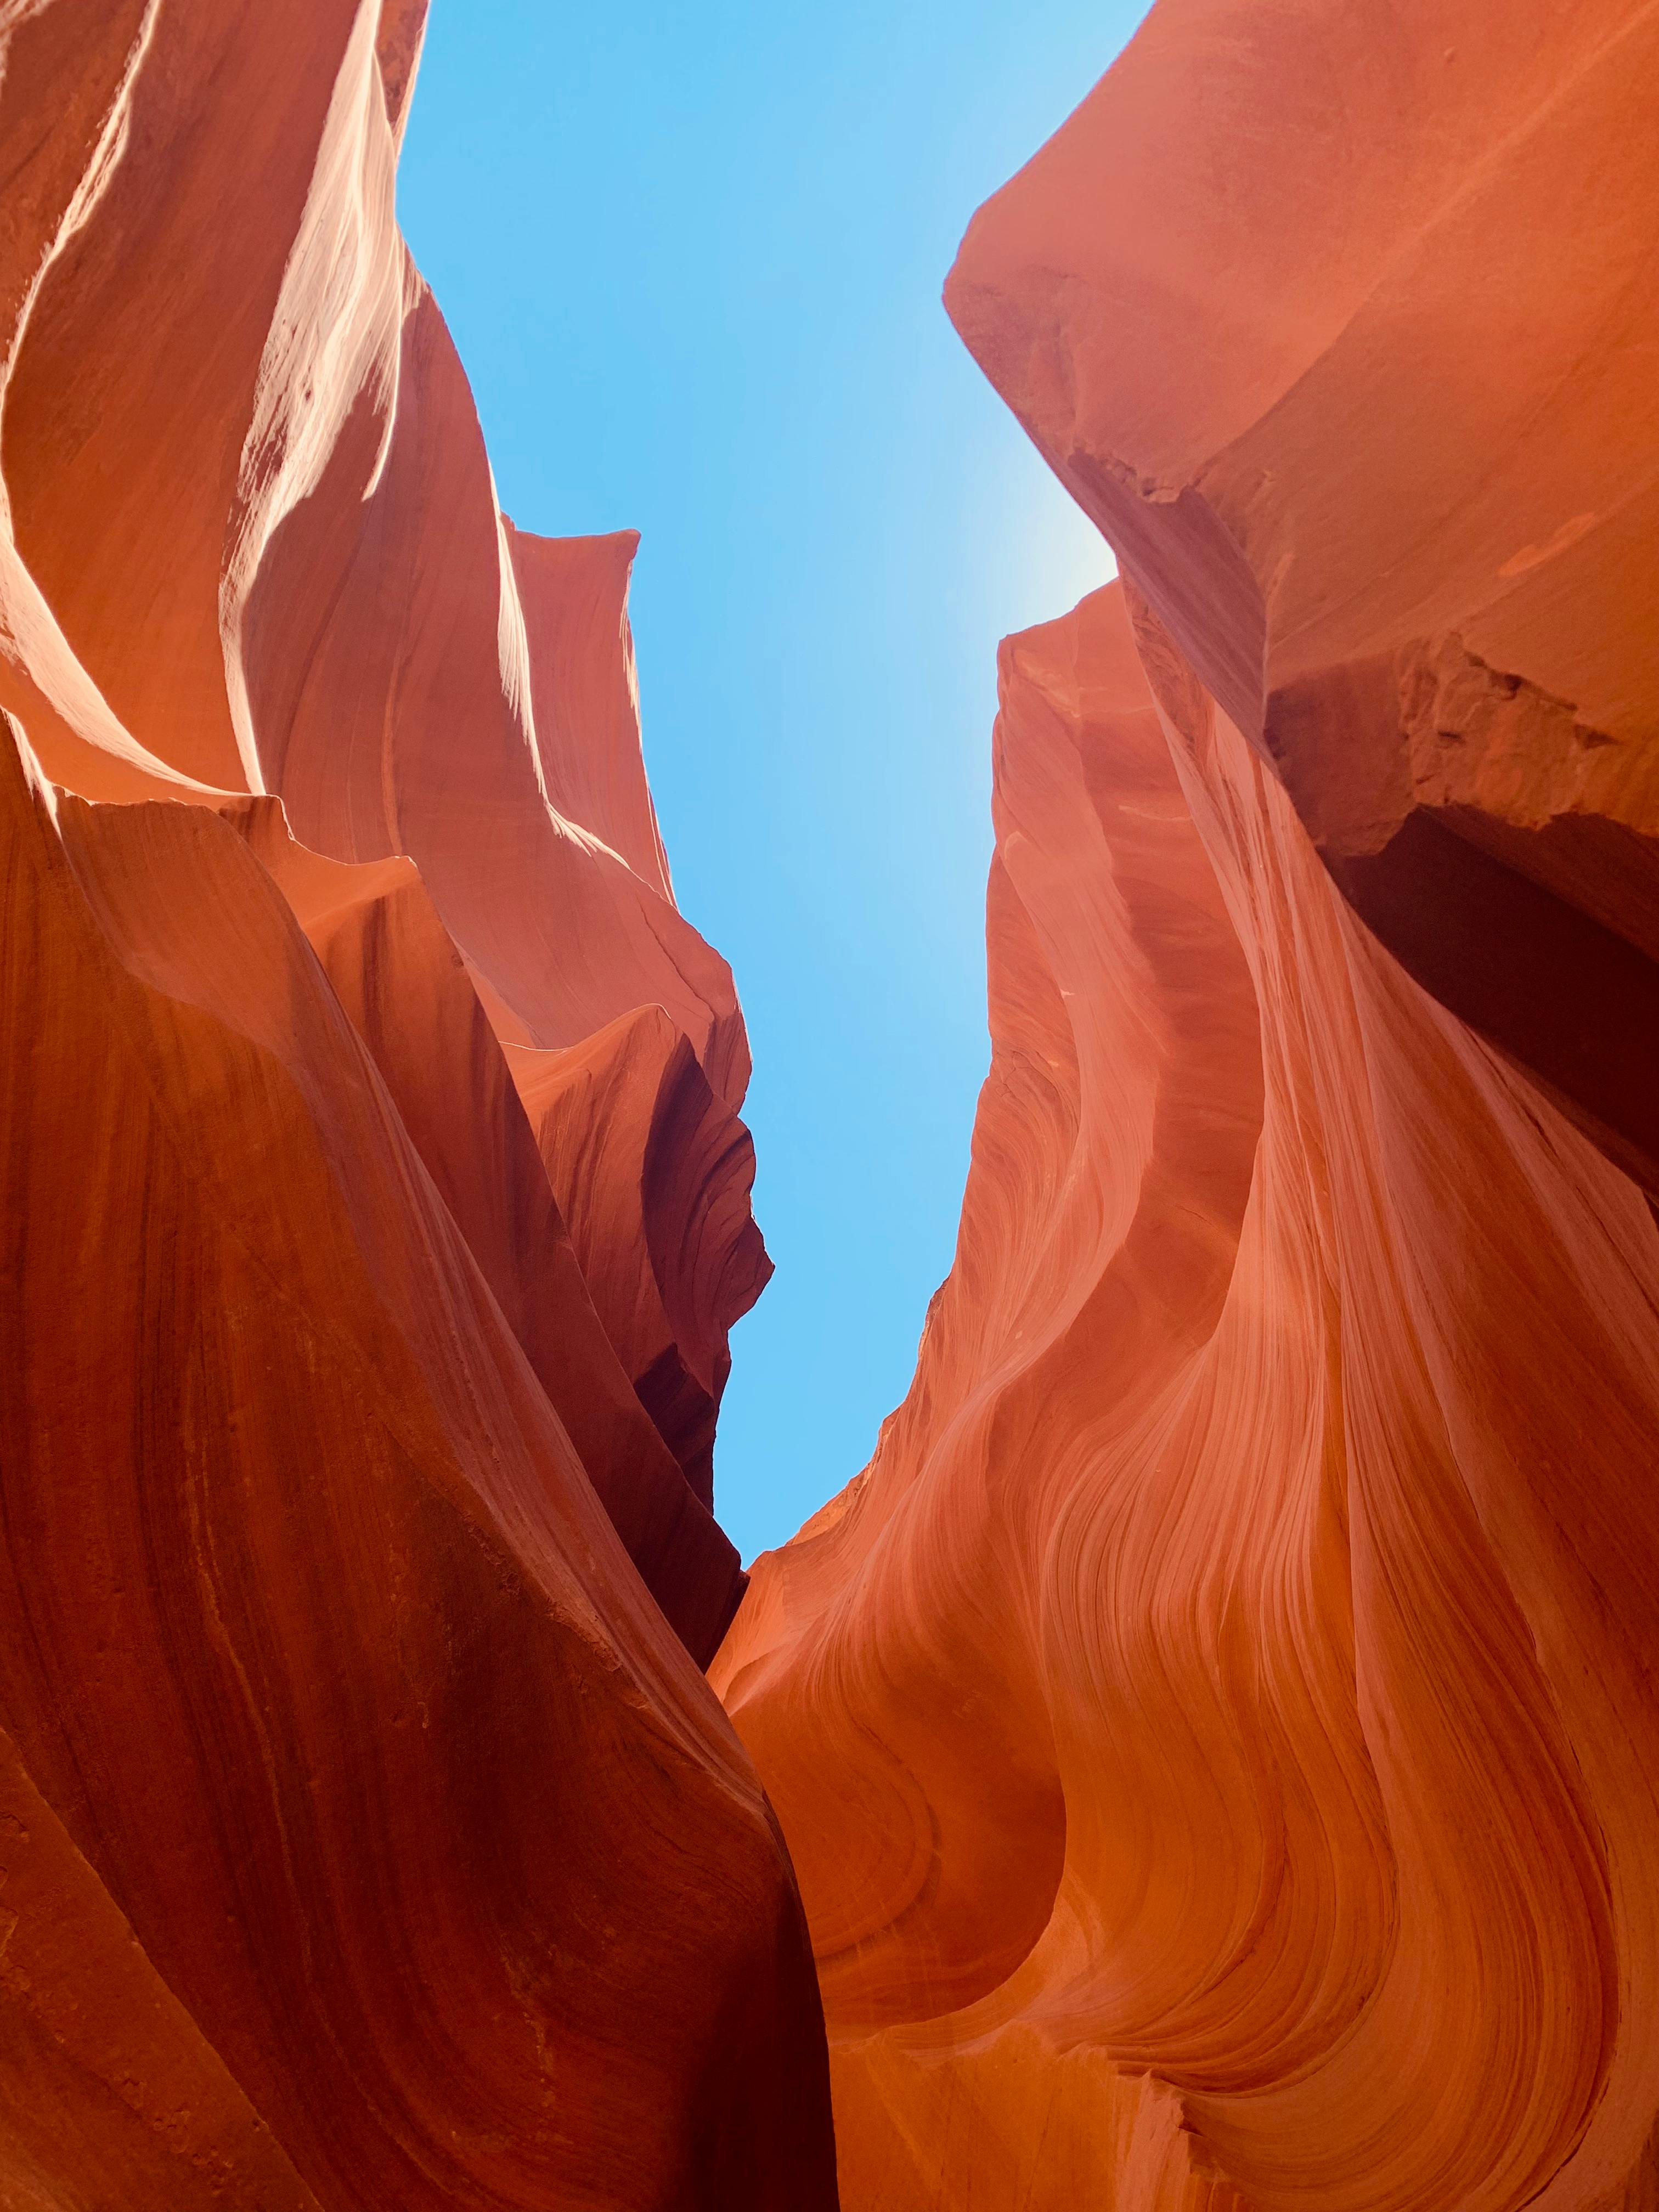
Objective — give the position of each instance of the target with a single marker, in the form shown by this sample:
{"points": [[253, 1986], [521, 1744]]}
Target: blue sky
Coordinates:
{"points": [[692, 258]]}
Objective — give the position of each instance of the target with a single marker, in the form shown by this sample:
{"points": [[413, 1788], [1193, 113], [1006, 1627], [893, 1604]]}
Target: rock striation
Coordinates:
{"points": [[1341, 327], [1216, 1735], [368, 1832], [1215, 1738]]}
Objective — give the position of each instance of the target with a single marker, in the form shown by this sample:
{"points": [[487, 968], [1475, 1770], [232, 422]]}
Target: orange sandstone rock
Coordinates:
{"points": [[1340, 324], [652, 1173], [585, 695], [109, 2092], [403, 985], [273, 564], [316, 1639], [368, 1834], [1216, 1734]]}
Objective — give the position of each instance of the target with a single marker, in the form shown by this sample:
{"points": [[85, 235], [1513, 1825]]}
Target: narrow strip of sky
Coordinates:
{"points": [[692, 258]]}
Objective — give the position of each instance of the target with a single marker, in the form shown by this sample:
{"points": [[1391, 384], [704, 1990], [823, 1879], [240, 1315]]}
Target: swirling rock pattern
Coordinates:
{"points": [[1216, 1735], [631, 1133], [368, 1833]]}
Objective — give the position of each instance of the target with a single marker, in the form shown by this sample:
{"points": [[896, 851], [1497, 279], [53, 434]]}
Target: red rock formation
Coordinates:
{"points": [[400, 978], [1216, 1735], [630, 1134], [368, 1835], [365, 654], [1341, 325], [586, 698]]}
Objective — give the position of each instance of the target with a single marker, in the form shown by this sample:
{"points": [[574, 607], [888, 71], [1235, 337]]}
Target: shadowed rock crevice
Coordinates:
{"points": [[1209, 1761], [1269, 1527], [374, 1836]]}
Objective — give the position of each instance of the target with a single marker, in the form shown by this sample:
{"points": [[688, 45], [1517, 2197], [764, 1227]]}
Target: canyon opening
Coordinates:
{"points": [[1207, 1760]]}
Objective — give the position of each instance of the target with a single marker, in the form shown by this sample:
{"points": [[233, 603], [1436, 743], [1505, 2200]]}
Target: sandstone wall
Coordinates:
{"points": [[1216, 1735], [370, 1835]]}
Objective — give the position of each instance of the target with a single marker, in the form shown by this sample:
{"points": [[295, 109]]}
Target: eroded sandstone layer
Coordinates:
{"points": [[369, 1835], [1340, 322], [1216, 1735]]}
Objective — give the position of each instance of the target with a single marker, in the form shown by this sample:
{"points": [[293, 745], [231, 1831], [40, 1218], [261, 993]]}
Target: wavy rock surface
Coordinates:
{"points": [[1341, 323], [368, 1833], [1216, 1734], [631, 1133]]}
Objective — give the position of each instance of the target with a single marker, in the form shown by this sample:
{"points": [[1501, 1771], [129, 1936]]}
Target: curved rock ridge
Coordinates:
{"points": [[1216, 1734], [631, 1133], [400, 978], [1340, 322], [369, 1835], [254, 549]]}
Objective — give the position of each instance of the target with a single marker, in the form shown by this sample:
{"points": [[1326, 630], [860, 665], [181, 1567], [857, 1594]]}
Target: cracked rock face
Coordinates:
{"points": [[1341, 326]]}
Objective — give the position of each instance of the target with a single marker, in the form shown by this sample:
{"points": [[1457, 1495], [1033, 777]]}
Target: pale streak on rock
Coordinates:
{"points": [[1217, 1733], [368, 1833], [1225, 1694]]}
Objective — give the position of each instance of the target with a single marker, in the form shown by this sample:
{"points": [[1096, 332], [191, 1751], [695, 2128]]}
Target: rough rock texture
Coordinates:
{"points": [[368, 1834], [1217, 1736], [1340, 322]]}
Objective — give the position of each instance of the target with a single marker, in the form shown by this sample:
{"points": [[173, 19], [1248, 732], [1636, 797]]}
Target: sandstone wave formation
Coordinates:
{"points": [[375, 1209], [1216, 1738], [1218, 1735]]}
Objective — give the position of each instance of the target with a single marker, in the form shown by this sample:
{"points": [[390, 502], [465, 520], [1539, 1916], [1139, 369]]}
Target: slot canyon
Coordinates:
{"points": [[1208, 1760]]}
